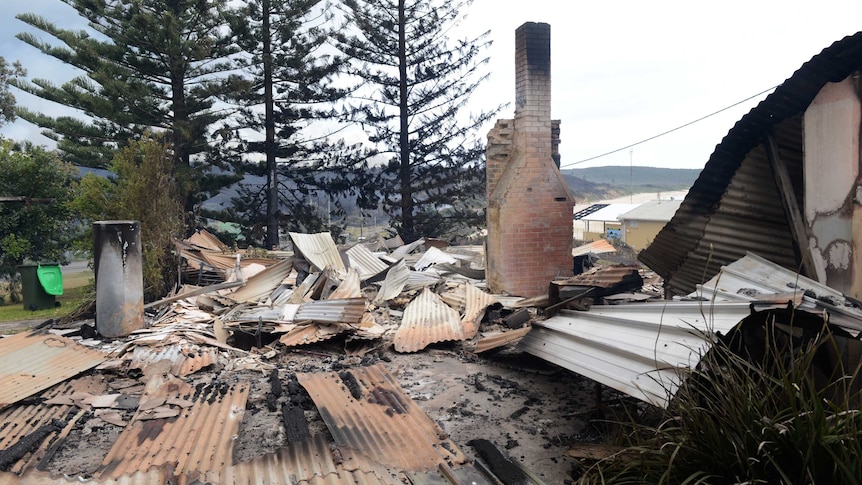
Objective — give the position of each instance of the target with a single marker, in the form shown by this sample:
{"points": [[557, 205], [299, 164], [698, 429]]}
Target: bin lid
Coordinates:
{"points": [[51, 279]]}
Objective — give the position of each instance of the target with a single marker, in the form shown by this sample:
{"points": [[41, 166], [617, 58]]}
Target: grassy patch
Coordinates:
{"points": [[69, 300]]}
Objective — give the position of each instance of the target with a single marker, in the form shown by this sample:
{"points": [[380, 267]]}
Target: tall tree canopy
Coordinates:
{"points": [[148, 65], [8, 73], [416, 83], [286, 87]]}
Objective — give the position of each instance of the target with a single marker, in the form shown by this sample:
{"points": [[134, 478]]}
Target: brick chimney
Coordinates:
{"points": [[529, 205]]}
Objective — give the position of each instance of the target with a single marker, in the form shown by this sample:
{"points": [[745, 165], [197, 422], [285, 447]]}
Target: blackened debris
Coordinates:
{"points": [[11, 455], [500, 466], [295, 426], [349, 380]]}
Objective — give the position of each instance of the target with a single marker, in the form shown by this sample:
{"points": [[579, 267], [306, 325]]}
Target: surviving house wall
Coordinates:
{"points": [[833, 190]]}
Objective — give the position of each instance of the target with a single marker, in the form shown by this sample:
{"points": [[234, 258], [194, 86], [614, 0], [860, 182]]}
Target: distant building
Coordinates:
{"points": [[641, 224], [599, 221]]}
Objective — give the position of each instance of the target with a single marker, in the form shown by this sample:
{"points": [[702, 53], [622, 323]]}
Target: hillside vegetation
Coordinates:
{"points": [[597, 183]]}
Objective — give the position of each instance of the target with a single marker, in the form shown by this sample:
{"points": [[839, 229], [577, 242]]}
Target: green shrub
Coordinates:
{"points": [[779, 408]]}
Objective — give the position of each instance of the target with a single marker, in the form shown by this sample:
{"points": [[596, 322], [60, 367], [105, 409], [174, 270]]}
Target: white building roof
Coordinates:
{"points": [[609, 213], [653, 210]]}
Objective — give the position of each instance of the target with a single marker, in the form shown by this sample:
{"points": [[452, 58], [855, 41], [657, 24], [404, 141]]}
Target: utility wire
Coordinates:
{"points": [[567, 165]]}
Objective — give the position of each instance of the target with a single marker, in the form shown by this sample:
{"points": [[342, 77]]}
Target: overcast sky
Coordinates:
{"points": [[622, 71]]}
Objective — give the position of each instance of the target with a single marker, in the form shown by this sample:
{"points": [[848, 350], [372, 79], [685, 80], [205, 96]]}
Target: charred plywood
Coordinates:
{"points": [[367, 411], [319, 249], [197, 440], [30, 363], [427, 320], [34, 427]]}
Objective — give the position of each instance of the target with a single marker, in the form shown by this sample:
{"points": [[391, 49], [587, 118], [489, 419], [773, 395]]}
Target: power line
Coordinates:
{"points": [[567, 165]]}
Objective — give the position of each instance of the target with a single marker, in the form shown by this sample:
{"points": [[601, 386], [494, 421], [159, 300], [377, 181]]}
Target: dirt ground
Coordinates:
{"points": [[531, 410]]}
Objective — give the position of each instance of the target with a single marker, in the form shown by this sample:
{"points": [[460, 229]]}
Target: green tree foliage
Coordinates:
{"points": [[147, 64], [8, 72], [416, 83], [285, 88], [39, 226], [141, 189]]}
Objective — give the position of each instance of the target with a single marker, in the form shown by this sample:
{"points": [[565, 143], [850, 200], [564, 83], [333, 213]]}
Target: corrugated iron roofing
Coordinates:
{"points": [[427, 320], [498, 339], [600, 246], [17, 422], [349, 287], [366, 410], [366, 263], [733, 206], [184, 359], [476, 301], [403, 251], [642, 349], [309, 334], [199, 440], [754, 278], [30, 363], [319, 249], [431, 257], [605, 277], [262, 284], [347, 310], [394, 282], [308, 462]]}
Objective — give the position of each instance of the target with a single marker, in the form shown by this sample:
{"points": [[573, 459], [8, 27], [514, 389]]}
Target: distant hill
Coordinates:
{"points": [[641, 179]]}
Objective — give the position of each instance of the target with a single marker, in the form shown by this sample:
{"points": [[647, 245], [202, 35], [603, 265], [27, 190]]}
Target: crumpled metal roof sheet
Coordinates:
{"points": [[319, 249], [402, 251], [184, 359], [754, 278], [734, 205], [604, 277], [309, 334], [308, 462], [476, 301], [262, 284], [427, 320], [367, 411], [199, 440], [600, 246], [30, 363], [498, 339], [431, 257], [346, 310], [394, 282], [643, 349], [349, 288], [365, 262]]}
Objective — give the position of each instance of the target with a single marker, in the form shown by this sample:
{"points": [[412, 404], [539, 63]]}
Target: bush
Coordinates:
{"points": [[776, 403]]}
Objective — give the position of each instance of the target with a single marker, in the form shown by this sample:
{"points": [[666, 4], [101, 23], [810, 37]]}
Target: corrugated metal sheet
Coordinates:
{"points": [[205, 239], [309, 462], [17, 422], [427, 320], [349, 287], [309, 334], [604, 277], [199, 440], [262, 284], [421, 279], [30, 362], [365, 262], [754, 278], [609, 213], [403, 251], [431, 257], [652, 210], [476, 302], [394, 282], [347, 310], [640, 349], [371, 414], [596, 247], [734, 206], [184, 359], [498, 339], [319, 249]]}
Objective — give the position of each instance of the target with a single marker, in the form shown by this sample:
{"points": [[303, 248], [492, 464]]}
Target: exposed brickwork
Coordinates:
{"points": [[529, 206]]}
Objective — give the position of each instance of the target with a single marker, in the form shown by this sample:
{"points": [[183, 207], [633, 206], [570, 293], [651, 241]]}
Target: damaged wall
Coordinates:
{"points": [[833, 194], [529, 204]]}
